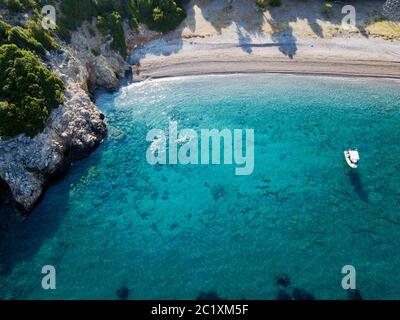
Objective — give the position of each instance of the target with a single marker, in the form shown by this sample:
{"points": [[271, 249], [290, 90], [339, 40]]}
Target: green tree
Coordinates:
{"points": [[28, 92], [161, 15], [112, 24], [77, 11], [21, 37], [44, 37], [4, 30]]}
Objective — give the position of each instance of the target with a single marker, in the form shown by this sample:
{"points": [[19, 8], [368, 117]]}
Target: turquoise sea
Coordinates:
{"points": [[174, 231]]}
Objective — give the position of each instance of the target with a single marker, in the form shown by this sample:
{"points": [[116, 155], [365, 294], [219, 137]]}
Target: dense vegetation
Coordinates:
{"points": [[28, 91], [273, 3], [33, 37], [159, 15]]}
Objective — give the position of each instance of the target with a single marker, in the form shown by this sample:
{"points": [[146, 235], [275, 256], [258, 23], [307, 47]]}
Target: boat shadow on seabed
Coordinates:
{"points": [[355, 180]]}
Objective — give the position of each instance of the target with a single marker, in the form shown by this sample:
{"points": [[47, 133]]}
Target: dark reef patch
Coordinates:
{"points": [[354, 294], [301, 294], [123, 293], [218, 191], [173, 226], [283, 280], [208, 296], [283, 295]]}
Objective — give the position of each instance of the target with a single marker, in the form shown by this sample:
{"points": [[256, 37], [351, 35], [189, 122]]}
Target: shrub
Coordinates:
{"points": [[34, 37], [112, 24], [21, 6], [261, 3], [41, 35], [160, 15], [63, 31], [77, 11], [95, 51], [275, 3], [4, 30], [20, 37], [327, 9], [14, 5], [28, 91], [127, 10]]}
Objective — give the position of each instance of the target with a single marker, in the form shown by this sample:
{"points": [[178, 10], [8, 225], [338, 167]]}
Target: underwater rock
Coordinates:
{"points": [[4, 268], [300, 294], [283, 295], [173, 226], [165, 195], [98, 202], [115, 134], [208, 296], [218, 191], [123, 293], [283, 280], [354, 294]]}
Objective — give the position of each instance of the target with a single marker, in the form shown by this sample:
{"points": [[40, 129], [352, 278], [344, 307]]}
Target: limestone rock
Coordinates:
{"points": [[102, 74], [72, 131]]}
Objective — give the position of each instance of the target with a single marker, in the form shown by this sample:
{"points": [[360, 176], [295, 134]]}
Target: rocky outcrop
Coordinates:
{"points": [[103, 66], [102, 74], [72, 131]]}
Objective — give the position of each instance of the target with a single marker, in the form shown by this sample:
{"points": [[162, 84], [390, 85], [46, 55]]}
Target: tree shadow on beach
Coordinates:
{"points": [[166, 46], [244, 17], [280, 24], [251, 21]]}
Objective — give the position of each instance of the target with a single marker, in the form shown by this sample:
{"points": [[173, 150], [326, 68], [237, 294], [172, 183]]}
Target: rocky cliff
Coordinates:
{"points": [[74, 129]]}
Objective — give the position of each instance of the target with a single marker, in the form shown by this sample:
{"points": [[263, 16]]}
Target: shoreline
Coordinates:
{"points": [[356, 69], [174, 57], [168, 71]]}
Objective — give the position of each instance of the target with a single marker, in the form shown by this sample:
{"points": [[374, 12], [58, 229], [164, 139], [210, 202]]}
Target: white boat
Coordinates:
{"points": [[352, 157]]}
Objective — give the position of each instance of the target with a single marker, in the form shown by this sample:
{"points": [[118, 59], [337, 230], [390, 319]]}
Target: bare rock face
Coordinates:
{"points": [[72, 131], [102, 74]]}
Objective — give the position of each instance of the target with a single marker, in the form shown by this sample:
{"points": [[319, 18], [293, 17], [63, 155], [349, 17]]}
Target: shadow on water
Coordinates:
{"points": [[21, 241], [355, 180]]}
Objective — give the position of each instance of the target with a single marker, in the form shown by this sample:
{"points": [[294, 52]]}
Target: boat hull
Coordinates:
{"points": [[351, 164]]}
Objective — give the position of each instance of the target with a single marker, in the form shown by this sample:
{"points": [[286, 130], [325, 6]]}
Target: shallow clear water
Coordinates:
{"points": [[171, 232]]}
